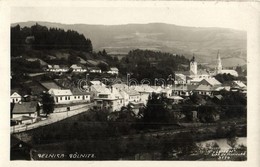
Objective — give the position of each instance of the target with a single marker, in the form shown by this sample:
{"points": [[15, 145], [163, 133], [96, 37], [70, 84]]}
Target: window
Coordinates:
{"points": [[60, 98], [68, 98]]}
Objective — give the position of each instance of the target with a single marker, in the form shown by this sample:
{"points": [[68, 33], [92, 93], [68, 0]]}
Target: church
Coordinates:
{"points": [[220, 70], [195, 75]]}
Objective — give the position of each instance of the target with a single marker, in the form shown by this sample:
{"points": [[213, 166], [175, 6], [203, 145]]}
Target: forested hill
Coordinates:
{"points": [[42, 38], [152, 64], [203, 42]]}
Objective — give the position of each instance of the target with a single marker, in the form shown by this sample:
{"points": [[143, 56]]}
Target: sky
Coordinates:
{"points": [[226, 15]]}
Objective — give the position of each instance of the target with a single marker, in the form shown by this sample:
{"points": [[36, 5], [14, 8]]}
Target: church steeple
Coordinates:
{"points": [[219, 64], [193, 66]]}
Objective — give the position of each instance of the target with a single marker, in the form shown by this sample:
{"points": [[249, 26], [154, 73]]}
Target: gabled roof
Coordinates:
{"points": [[77, 91], [101, 89], [97, 83], [211, 81], [60, 92], [219, 97], [50, 85], [114, 69], [120, 86], [75, 66], [15, 95], [25, 107], [130, 92], [239, 84], [203, 88], [143, 88], [56, 66]]}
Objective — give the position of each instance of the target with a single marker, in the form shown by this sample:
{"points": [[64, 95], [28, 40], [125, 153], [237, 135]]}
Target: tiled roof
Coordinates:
{"points": [[60, 92], [77, 91], [203, 88], [50, 85], [211, 81], [25, 107]]}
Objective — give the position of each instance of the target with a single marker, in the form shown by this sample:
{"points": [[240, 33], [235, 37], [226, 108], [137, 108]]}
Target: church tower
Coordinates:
{"points": [[219, 65], [193, 66]]}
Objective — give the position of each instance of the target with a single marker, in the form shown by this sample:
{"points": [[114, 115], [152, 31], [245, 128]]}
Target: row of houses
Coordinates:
{"points": [[79, 68]]}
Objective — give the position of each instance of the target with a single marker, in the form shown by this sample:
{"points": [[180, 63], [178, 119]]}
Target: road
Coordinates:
{"points": [[52, 118]]}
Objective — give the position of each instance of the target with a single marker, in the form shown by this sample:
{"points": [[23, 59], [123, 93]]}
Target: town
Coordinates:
{"points": [[45, 90]]}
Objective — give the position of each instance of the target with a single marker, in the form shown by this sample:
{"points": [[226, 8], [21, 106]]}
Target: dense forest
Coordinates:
{"points": [[40, 38], [152, 64]]}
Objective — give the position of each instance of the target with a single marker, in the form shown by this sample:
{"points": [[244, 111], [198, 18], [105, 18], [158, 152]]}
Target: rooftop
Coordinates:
{"points": [[25, 107], [60, 92]]}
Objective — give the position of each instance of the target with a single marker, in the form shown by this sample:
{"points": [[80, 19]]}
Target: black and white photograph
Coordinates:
{"points": [[159, 81]]}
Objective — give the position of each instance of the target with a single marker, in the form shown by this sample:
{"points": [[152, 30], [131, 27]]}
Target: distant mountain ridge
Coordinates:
{"points": [[203, 42]]}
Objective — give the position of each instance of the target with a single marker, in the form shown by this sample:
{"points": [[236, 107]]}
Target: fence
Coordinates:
{"points": [[54, 117]]}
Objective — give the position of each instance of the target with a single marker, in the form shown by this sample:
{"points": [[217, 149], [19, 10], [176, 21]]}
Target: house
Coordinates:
{"points": [[97, 83], [15, 97], [129, 95], [204, 90], [113, 71], [180, 79], [64, 68], [175, 99], [180, 90], [231, 72], [80, 95], [145, 91], [66, 96], [111, 99], [24, 112], [98, 88], [78, 68], [94, 70], [53, 68], [61, 96], [194, 81], [157, 89], [167, 92]]}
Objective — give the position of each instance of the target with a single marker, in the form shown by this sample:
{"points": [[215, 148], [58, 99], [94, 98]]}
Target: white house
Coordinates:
{"points": [[15, 98], [94, 70], [113, 71], [78, 68], [24, 112], [111, 100], [61, 96]]}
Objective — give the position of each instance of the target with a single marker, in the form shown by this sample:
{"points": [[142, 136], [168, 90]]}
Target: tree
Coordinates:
{"points": [[47, 103], [155, 113], [103, 66], [73, 60]]}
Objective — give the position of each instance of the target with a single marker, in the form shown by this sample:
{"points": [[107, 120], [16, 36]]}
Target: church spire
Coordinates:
{"points": [[219, 64]]}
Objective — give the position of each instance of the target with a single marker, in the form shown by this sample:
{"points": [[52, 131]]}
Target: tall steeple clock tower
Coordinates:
{"points": [[219, 65]]}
